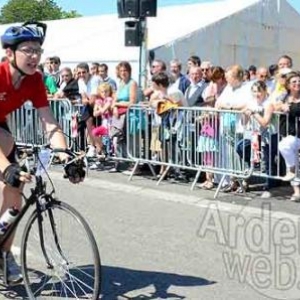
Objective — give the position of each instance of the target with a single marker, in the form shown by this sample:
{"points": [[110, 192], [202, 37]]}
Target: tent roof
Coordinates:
{"points": [[101, 38], [182, 20]]}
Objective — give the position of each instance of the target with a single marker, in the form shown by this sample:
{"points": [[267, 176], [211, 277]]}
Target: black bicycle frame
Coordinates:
{"points": [[36, 193]]}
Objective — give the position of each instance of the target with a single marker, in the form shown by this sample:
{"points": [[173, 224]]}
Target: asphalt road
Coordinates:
{"points": [[167, 242]]}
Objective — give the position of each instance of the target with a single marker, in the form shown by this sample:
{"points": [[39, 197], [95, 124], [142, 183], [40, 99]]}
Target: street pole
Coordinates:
{"points": [[143, 55]]}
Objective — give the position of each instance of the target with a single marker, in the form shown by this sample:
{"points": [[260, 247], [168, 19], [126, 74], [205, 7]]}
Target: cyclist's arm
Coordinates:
{"points": [[52, 128], [4, 163], [57, 140], [6, 146]]}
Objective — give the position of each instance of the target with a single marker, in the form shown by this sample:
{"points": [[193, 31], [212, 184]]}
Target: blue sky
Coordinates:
{"points": [[96, 7]]}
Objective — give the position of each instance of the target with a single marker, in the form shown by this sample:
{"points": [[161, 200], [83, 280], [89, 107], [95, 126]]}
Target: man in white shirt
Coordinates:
{"points": [[88, 85]]}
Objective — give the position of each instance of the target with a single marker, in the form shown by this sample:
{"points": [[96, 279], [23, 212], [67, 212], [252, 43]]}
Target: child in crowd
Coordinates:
{"points": [[208, 124], [103, 113]]}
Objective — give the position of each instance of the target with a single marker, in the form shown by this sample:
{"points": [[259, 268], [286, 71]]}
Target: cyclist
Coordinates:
{"points": [[20, 81]]}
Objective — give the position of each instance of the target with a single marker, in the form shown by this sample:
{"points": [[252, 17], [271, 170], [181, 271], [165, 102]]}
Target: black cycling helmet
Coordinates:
{"points": [[29, 31]]}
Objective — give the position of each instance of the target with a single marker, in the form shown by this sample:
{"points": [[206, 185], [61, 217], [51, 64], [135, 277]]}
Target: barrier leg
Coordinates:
{"points": [[163, 175], [195, 180], [219, 186], [133, 170], [241, 185], [152, 170]]}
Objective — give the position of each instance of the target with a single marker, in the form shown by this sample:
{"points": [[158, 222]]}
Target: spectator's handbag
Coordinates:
{"points": [[122, 110], [207, 130], [165, 106]]}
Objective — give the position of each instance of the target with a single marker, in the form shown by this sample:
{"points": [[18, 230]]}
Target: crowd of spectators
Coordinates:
{"points": [[256, 91]]}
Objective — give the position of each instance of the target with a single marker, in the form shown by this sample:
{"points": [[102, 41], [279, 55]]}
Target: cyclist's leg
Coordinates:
{"points": [[8, 197]]}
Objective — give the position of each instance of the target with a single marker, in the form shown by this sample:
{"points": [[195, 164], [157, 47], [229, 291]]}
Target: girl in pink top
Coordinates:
{"points": [[103, 112], [102, 107]]}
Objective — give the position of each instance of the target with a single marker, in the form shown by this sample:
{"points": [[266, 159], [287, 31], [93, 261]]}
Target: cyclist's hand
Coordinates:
{"points": [[14, 176], [75, 171]]}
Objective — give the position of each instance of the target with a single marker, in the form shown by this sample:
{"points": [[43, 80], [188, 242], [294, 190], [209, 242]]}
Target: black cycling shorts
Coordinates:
{"points": [[12, 155]]}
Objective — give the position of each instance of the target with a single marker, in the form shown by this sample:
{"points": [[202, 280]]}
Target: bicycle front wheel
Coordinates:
{"points": [[59, 255]]}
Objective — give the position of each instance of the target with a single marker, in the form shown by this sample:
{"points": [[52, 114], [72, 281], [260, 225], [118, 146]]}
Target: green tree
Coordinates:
{"points": [[40, 10], [70, 14]]}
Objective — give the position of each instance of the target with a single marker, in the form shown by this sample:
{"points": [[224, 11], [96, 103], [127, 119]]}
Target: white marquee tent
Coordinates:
{"points": [[224, 32], [255, 32]]}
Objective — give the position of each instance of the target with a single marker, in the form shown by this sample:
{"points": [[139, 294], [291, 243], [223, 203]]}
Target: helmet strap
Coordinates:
{"points": [[15, 66]]}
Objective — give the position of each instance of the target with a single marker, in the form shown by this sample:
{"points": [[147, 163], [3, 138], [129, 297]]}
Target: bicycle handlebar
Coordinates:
{"points": [[35, 149], [30, 149]]}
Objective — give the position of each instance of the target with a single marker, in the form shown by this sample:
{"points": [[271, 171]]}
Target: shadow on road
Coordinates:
{"points": [[75, 283], [15, 292], [118, 282]]}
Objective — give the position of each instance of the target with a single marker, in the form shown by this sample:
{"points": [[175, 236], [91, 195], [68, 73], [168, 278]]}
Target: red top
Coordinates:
{"points": [[32, 88]]}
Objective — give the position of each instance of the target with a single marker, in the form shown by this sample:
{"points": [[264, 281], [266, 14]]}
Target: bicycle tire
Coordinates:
{"points": [[40, 288]]}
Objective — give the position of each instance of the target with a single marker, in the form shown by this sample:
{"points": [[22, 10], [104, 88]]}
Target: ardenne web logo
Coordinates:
{"points": [[262, 251]]}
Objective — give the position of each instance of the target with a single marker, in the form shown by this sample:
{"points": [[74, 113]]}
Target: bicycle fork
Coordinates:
{"points": [[41, 219]]}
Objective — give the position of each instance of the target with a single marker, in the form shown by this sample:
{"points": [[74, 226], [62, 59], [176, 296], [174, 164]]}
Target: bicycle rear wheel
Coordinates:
{"points": [[67, 263]]}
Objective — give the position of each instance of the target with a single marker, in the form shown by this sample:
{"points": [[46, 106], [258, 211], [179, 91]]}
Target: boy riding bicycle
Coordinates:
{"points": [[20, 81]]}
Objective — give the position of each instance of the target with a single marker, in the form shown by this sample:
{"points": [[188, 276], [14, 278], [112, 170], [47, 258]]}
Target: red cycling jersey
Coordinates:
{"points": [[32, 88]]}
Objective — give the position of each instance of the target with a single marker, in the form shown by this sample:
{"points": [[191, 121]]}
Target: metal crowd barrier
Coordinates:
{"points": [[219, 142], [207, 140], [26, 127]]}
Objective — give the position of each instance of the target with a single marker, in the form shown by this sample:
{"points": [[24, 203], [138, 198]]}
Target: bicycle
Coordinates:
{"points": [[48, 242]]}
